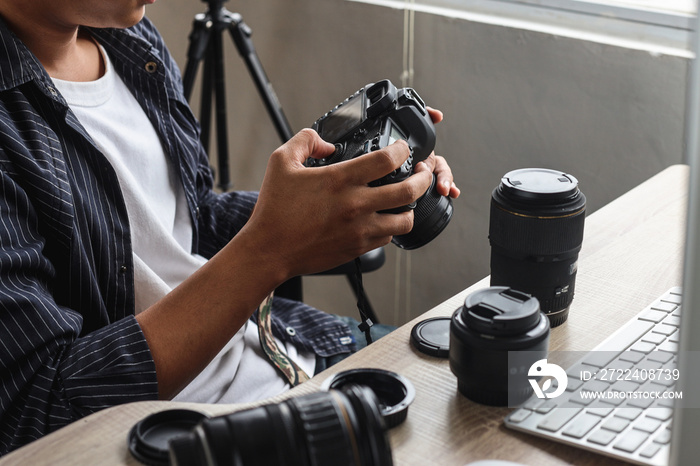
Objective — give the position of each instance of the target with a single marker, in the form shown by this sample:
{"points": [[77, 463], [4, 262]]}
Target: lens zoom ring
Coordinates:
{"points": [[324, 430], [535, 236], [427, 204]]}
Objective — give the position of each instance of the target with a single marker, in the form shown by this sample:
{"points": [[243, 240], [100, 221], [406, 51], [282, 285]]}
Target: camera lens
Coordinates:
{"points": [[494, 339], [431, 215], [536, 231], [338, 427]]}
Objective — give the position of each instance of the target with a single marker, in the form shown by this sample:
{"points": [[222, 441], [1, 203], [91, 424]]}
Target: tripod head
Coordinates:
{"points": [[215, 4]]}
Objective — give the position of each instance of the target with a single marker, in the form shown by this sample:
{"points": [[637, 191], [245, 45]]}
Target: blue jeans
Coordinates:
{"points": [[377, 331]]}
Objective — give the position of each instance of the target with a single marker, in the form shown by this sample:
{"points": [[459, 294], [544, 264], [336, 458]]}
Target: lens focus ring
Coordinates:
{"points": [[325, 430], [536, 236]]}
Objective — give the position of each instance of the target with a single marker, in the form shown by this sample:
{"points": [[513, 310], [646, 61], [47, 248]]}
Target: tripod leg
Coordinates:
{"points": [[220, 102], [198, 40], [206, 99], [241, 34]]}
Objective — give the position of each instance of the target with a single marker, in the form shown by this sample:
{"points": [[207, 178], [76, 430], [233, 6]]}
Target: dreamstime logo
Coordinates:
{"points": [[542, 368]]}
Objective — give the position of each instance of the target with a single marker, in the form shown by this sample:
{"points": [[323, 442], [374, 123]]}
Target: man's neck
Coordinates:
{"points": [[66, 52]]}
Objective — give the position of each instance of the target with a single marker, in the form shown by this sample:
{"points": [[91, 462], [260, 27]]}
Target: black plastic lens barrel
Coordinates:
{"points": [[338, 427], [494, 338], [536, 231], [431, 215]]}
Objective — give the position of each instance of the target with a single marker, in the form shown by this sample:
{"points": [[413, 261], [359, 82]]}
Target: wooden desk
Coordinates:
{"points": [[631, 254]]}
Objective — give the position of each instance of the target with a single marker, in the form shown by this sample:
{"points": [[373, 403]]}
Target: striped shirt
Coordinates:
{"points": [[69, 342]]}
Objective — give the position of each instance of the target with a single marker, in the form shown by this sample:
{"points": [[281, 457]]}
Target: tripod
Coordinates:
{"points": [[206, 43]]}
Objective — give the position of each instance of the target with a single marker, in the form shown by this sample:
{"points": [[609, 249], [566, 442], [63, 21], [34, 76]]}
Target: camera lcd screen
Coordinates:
{"points": [[342, 120], [395, 135]]}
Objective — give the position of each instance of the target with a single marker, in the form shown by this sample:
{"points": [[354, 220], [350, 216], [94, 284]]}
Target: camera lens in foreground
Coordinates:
{"points": [[334, 428]]}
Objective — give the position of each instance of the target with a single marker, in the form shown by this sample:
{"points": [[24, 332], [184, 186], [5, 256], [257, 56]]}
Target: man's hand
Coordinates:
{"points": [[438, 165], [315, 218]]}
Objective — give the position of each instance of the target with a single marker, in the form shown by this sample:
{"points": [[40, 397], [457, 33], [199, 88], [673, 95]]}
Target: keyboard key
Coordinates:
{"points": [[533, 403], [624, 386], [666, 307], [646, 364], [654, 338], [628, 413], [602, 437], [613, 401], [669, 347], [673, 320], [668, 403], [643, 403], [664, 437], [662, 414], [631, 441], [648, 425], [546, 407], [664, 329], [595, 386], [615, 424], [650, 450], [519, 415], [599, 411], [643, 347], [574, 383], [660, 356], [577, 398], [633, 356], [558, 418], [653, 316], [582, 426], [574, 372]]}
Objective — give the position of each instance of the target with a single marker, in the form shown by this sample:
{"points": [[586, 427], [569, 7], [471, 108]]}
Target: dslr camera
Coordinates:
{"points": [[374, 117]]}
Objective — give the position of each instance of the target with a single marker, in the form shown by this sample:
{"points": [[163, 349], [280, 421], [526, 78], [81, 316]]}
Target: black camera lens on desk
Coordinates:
{"points": [[494, 339], [536, 231], [322, 429]]}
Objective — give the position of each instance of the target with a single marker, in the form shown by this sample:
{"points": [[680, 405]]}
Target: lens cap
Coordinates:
{"points": [[432, 336], [539, 183], [148, 439], [394, 392]]}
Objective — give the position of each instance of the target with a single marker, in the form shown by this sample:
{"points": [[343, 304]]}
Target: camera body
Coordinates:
{"points": [[372, 118]]}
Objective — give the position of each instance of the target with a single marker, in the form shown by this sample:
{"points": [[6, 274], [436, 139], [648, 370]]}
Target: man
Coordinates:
{"points": [[123, 276]]}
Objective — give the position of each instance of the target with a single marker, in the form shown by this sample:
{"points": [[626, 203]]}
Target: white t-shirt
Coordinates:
{"points": [[161, 233]]}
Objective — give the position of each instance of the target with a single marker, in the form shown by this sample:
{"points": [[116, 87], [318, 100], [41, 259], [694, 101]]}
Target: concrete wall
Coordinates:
{"points": [[512, 98]]}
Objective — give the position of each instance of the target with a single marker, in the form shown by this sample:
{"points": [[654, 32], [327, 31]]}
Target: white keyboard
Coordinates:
{"points": [[619, 397]]}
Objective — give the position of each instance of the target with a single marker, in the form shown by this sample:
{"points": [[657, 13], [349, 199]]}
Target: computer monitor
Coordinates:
{"points": [[685, 438]]}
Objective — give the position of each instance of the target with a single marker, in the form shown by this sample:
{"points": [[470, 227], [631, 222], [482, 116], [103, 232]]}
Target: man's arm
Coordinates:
{"points": [[306, 220], [50, 372]]}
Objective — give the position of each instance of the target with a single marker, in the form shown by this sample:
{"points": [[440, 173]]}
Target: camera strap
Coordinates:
{"points": [[277, 356], [362, 301]]}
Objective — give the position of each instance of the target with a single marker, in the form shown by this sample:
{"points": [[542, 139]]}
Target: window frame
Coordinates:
{"points": [[658, 32]]}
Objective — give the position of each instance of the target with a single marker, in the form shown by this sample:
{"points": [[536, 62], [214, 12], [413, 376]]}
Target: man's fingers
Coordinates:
{"points": [[306, 143], [374, 165]]}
